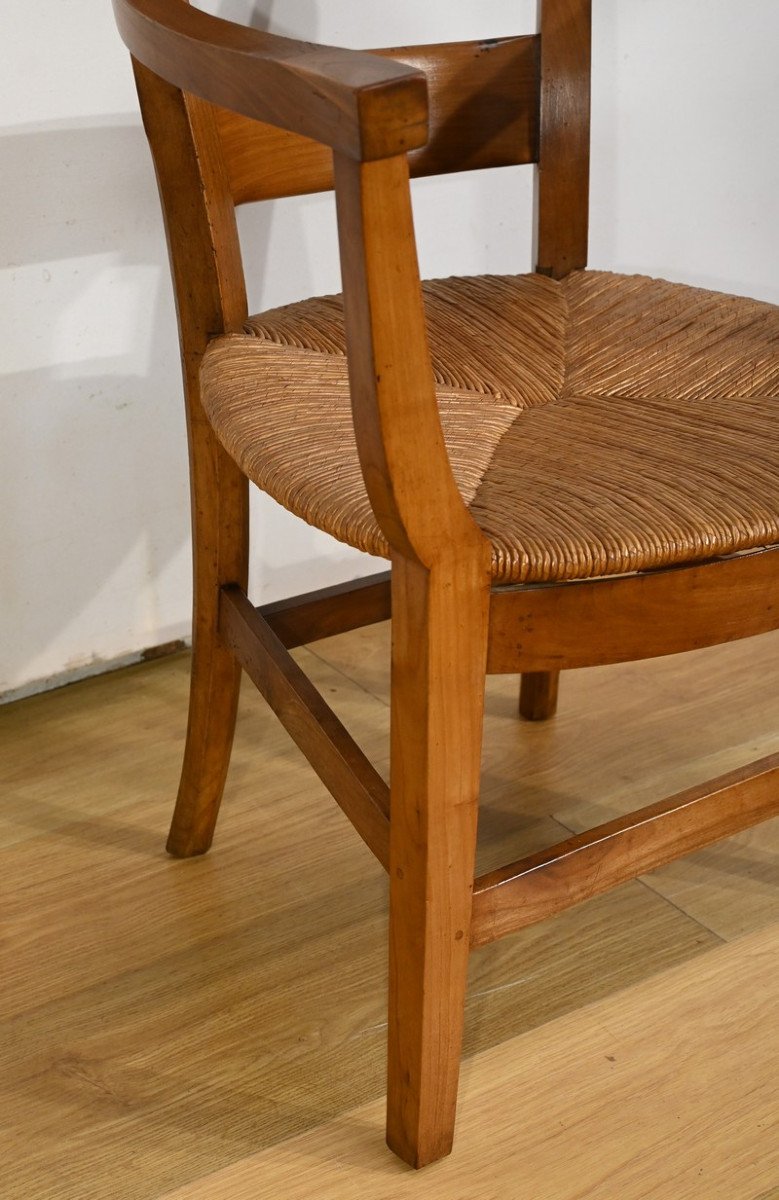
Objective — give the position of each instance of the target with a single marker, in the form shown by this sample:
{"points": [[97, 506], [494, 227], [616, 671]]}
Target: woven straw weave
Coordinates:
{"points": [[596, 425]]}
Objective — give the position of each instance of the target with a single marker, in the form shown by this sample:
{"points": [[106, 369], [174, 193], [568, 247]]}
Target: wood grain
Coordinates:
{"points": [[656, 613], [483, 112], [210, 298], [625, 735], [440, 604], [156, 1005], [439, 646], [664, 1090], [362, 105], [335, 756], [596, 861], [564, 152], [538, 695], [153, 1026], [397, 425], [328, 611]]}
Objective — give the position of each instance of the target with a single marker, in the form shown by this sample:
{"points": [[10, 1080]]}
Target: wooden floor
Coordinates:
{"points": [[663, 1090], [165, 1026]]}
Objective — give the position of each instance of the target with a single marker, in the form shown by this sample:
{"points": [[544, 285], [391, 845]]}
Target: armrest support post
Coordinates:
{"points": [[397, 425]]}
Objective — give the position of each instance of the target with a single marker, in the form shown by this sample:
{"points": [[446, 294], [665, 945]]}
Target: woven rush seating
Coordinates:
{"points": [[597, 425]]}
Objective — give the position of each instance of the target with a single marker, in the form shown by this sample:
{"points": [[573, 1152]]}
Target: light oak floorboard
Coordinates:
{"points": [[664, 1091], [162, 1019]]}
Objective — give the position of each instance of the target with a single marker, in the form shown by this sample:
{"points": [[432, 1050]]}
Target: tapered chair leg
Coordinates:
{"points": [[220, 537], [438, 669], [538, 695]]}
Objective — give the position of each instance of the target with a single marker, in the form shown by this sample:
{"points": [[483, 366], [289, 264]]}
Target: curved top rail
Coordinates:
{"points": [[359, 104]]}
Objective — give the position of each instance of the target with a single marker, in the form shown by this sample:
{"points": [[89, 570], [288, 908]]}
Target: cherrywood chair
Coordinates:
{"points": [[565, 469]]}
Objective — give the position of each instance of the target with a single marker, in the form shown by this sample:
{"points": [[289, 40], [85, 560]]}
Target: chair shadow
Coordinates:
{"points": [[93, 461]]}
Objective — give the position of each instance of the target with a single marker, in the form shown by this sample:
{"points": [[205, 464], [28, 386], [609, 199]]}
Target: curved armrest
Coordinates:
{"points": [[359, 104]]}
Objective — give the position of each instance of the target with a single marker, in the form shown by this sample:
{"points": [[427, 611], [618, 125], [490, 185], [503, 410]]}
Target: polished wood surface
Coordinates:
{"points": [[440, 606], [396, 420], [330, 610], [596, 861], [154, 1028], [538, 694], [210, 297], [656, 613], [564, 151], [313, 726], [482, 113], [439, 648], [362, 105]]}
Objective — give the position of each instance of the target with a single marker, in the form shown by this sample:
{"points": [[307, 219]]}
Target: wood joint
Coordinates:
{"points": [[311, 723], [330, 610]]}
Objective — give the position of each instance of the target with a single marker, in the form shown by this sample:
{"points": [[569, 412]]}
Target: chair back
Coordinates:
{"points": [[493, 103]]}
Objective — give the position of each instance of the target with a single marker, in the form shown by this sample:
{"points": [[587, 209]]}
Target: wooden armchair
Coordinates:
{"points": [[564, 469]]}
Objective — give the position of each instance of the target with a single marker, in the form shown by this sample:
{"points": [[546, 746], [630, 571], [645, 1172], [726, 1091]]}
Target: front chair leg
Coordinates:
{"points": [[220, 548], [538, 695], [439, 628]]}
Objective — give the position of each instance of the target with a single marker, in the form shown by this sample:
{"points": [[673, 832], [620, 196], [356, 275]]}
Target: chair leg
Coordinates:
{"points": [[538, 695], [220, 547], [438, 668]]}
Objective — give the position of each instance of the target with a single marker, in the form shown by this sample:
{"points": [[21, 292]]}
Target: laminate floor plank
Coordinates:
{"points": [[667, 1090], [160, 1020]]}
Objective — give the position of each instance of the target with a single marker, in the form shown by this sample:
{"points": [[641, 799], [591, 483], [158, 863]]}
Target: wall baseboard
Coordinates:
{"points": [[98, 666]]}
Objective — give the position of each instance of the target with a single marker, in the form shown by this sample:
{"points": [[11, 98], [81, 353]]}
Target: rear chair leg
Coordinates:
{"points": [[438, 668], [538, 695], [220, 547]]}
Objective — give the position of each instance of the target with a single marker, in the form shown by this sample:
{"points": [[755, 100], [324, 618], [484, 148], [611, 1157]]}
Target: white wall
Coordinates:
{"points": [[94, 538]]}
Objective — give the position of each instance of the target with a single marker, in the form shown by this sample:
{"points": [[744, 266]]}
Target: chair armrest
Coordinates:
{"points": [[359, 104]]}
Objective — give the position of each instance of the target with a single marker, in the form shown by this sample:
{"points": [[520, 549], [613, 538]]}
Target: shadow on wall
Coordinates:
{"points": [[293, 18], [94, 532], [87, 373]]}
